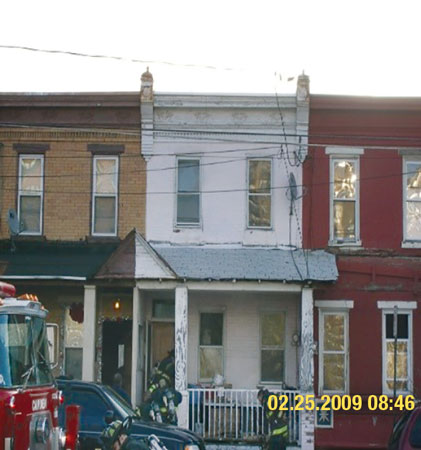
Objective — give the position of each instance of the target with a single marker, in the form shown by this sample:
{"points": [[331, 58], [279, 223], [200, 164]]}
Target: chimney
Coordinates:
{"points": [[146, 87], [303, 87]]}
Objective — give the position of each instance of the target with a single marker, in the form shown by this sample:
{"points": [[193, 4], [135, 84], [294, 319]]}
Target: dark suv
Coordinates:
{"points": [[97, 401]]}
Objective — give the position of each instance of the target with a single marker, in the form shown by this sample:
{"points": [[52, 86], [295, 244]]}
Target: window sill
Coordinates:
{"points": [[178, 228], [411, 244], [30, 237], [347, 244]]}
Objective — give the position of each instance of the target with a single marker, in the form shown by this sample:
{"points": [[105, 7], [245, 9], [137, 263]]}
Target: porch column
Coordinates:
{"points": [[307, 367], [137, 349], [181, 327], [89, 335]]}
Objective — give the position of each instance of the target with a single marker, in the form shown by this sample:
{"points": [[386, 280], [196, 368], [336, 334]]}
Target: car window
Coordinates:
{"points": [[92, 409], [415, 436]]}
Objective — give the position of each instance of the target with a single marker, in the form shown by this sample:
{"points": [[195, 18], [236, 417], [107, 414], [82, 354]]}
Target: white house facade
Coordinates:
{"points": [[220, 275]]}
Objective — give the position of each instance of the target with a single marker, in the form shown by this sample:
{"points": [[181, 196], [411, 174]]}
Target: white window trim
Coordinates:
{"points": [[253, 227], [334, 307], [332, 240], [178, 225], [407, 243], [265, 312], [115, 195], [215, 310], [344, 151], [387, 307], [28, 193]]}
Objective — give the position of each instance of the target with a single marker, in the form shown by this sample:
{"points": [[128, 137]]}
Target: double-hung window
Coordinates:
{"points": [[31, 192], [259, 193], [211, 347], [344, 202], [397, 346], [188, 192], [334, 345], [272, 347], [412, 201], [105, 196]]}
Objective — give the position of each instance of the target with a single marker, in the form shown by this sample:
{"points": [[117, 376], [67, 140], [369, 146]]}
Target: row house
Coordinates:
{"points": [[220, 274], [72, 182], [362, 204]]}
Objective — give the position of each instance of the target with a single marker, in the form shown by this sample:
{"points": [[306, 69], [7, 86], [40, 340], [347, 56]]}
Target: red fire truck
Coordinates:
{"points": [[29, 398]]}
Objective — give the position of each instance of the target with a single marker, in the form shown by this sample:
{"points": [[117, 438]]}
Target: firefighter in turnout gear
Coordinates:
{"points": [[163, 399], [276, 421]]}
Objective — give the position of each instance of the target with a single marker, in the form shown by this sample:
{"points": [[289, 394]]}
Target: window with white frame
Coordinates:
{"points": [[397, 351], [333, 350], [31, 192], [188, 192], [105, 195], [211, 347], [272, 347], [412, 199], [259, 193], [344, 205]]}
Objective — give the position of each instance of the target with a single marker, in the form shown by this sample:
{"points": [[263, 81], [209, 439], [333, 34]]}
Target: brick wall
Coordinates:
{"points": [[68, 181]]}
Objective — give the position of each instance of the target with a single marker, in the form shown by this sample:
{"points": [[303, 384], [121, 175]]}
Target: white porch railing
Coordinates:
{"points": [[235, 414]]}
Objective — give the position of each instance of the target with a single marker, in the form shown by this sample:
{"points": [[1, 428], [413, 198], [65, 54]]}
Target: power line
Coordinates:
{"points": [[117, 58]]}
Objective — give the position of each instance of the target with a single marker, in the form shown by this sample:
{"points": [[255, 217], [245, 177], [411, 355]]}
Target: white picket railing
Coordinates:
{"points": [[235, 414]]}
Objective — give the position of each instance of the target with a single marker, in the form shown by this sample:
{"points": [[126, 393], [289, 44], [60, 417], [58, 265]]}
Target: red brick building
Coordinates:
{"points": [[363, 203]]}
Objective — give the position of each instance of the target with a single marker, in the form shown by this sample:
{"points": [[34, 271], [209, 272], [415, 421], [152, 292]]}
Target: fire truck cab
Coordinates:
{"points": [[29, 397]]}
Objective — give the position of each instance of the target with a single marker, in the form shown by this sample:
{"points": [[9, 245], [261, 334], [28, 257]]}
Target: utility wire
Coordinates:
{"points": [[116, 58]]}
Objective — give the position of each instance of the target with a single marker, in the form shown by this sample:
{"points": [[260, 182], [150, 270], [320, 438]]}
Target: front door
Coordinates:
{"points": [[117, 352], [161, 341]]}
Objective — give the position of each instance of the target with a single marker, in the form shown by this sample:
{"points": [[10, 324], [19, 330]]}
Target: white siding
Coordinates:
{"points": [[242, 333]]}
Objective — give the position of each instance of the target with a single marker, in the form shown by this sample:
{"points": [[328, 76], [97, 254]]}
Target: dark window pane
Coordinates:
{"points": [[163, 309], [188, 175], [73, 363], [104, 215], [344, 220], [188, 208], [92, 409], [402, 326], [211, 328], [272, 365], [30, 213], [259, 210]]}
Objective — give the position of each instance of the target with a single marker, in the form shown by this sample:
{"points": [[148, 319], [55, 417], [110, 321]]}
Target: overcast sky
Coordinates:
{"points": [[366, 47]]}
